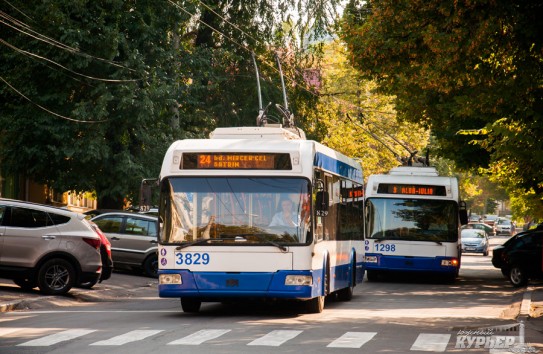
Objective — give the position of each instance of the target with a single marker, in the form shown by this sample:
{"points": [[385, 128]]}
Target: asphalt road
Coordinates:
{"points": [[402, 314]]}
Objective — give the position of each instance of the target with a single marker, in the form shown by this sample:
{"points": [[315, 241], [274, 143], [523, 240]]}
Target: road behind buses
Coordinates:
{"points": [[259, 212]]}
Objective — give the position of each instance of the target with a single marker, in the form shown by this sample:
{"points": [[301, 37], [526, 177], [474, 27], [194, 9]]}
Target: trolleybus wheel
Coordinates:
{"points": [[189, 304], [346, 294], [315, 305]]}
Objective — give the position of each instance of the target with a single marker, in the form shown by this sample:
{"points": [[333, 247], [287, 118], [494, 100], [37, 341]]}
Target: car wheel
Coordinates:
{"points": [[56, 276], [517, 276], [190, 305], [25, 284], [485, 253], [150, 266]]}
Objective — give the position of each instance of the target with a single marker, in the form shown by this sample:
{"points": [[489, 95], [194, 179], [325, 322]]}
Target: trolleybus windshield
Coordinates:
{"points": [[412, 219], [235, 211]]}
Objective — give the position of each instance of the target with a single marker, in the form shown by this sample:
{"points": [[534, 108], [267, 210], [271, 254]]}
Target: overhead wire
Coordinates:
{"points": [[15, 24], [47, 110], [350, 104], [62, 66]]}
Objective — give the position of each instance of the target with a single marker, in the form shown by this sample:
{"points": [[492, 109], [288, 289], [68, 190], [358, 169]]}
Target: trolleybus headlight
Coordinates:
{"points": [[449, 262], [299, 280], [170, 279], [371, 259]]}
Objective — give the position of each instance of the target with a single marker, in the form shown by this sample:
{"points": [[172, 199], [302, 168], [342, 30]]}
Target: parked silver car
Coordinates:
{"points": [[48, 247], [133, 238]]}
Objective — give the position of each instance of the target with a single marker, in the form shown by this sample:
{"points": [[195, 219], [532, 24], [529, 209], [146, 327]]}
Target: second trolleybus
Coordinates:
{"points": [[413, 219], [259, 213]]}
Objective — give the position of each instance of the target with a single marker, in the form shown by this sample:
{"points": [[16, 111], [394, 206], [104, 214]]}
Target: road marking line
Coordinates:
{"points": [[131, 336], [430, 342], [352, 340], [57, 338], [200, 337], [275, 338]]}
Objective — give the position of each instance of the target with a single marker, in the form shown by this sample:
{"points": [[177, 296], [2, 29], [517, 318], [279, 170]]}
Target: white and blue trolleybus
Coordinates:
{"points": [[259, 213], [413, 219]]}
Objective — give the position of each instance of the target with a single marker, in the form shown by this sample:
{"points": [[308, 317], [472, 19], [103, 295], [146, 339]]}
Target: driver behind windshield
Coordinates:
{"points": [[286, 216]]}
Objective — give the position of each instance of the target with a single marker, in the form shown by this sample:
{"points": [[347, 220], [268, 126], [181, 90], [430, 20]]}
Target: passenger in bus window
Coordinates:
{"points": [[286, 216]]}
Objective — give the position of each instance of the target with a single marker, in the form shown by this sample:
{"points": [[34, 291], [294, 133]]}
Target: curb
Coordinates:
{"points": [[112, 293]]}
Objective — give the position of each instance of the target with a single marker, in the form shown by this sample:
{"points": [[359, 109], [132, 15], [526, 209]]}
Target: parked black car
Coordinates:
{"points": [[520, 258]]}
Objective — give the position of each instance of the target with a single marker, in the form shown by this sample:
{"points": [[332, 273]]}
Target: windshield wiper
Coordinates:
{"points": [[269, 242], [197, 242]]}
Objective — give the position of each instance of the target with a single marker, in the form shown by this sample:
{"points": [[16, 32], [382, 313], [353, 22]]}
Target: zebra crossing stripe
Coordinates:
{"points": [[200, 337], [57, 338], [131, 336], [352, 340], [431, 342], [275, 338]]}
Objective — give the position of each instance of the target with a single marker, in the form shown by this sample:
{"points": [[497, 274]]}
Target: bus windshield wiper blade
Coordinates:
{"points": [[197, 242], [269, 242]]}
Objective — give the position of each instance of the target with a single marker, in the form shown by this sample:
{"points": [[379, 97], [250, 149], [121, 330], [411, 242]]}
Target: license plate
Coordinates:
{"points": [[470, 248]]}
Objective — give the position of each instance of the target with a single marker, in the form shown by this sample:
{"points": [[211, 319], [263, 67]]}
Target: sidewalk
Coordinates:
{"points": [[13, 298]]}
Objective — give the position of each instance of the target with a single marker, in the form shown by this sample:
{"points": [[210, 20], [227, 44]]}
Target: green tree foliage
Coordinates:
{"points": [[461, 66], [352, 118], [93, 92], [83, 94]]}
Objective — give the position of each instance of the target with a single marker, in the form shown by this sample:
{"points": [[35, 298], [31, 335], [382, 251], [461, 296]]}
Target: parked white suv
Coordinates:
{"points": [[51, 248]]}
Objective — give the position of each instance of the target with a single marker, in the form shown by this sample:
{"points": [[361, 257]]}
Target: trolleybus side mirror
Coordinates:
{"points": [[321, 203], [463, 213]]}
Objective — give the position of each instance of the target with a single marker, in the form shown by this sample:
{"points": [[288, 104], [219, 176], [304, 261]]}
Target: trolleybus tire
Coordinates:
{"points": [[346, 294], [190, 304], [315, 305]]}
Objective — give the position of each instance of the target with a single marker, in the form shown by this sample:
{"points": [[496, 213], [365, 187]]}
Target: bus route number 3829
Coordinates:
{"points": [[188, 258]]}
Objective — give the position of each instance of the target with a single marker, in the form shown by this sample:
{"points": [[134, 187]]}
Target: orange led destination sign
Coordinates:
{"points": [[236, 161], [350, 193], [411, 189]]}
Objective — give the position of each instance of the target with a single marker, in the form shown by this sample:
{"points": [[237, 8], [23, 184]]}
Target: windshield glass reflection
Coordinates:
{"points": [[236, 210], [412, 219]]}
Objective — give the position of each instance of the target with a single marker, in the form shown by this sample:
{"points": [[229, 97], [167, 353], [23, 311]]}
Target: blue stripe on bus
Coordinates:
{"points": [[409, 264], [243, 284], [338, 167], [246, 284]]}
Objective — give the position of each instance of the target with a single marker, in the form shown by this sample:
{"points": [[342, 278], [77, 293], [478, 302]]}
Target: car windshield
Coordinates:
{"points": [[467, 233], [412, 219], [235, 210]]}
